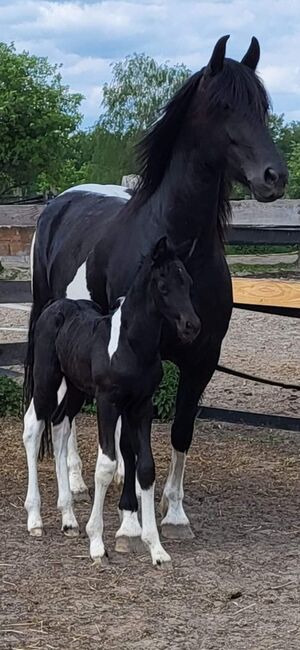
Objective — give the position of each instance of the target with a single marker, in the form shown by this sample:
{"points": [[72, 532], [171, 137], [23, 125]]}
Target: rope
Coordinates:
{"points": [[260, 380]]}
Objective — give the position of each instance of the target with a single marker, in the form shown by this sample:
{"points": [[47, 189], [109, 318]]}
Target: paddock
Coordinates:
{"points": [[234, 586]]}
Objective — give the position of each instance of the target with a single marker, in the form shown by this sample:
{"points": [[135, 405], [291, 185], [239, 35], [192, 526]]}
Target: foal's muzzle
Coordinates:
{"points": [[188, 328]]}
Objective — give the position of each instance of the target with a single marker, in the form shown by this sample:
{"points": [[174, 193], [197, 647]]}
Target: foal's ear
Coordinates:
{"points": [[252, 55], [216, 62], [160, 250]]}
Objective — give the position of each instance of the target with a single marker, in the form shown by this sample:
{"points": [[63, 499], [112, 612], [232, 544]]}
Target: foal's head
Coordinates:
{"points": [[170, 285]]}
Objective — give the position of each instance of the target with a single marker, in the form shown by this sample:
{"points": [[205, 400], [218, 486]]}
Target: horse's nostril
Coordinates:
{"points": [[271, 176]]}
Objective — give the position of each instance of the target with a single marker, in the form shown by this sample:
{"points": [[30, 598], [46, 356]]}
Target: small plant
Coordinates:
{"points": [[165, 396], [10, 397]]}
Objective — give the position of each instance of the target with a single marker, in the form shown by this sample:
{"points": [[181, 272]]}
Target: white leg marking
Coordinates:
{"points": [[120, 471], [130, 526], [104, 472], [31, 260], [60, 435], [77, 289], [77, 483], [149, 528], [33, 429], [115, 330], [173, 492]]}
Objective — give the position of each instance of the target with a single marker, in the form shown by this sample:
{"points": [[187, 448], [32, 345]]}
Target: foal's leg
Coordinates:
{"points": [[60, 435], [146, 477], [128, 537], [77, 484], [175, 524], [104, 472], [120, 471], [33, 429]]}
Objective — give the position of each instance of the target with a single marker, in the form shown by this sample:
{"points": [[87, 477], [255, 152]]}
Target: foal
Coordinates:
{"points": [[77, 351]]}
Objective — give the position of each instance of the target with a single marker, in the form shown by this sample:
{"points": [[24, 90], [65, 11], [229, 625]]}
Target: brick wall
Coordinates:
{"points": [[15, 240]]}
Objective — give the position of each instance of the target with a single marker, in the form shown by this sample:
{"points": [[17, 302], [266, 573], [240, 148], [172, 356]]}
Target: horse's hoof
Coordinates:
{"points": [[177, 531], [125, 544], [71, 531], [164, 566], [36, 532], [85, 496], [101, 560]]}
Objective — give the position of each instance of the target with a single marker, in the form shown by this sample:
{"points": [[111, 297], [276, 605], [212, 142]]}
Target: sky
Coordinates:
{"points": [[87, 36]]}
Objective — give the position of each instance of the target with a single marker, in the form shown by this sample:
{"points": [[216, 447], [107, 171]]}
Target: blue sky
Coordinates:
{"points": [[87, 36]]}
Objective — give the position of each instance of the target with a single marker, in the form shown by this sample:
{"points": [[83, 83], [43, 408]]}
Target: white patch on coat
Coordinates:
{"points": [[61, 391], [173, 492], [105, 469], [150, 534], [33, 429], [60, 435], [77, 289], [130, 525], [120, 471], [106, 190], [77, 483], [115, 330], [31, 261]]}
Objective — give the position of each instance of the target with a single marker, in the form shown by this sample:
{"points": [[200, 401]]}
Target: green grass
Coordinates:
{"points": [[248, 249], [263, 269]]}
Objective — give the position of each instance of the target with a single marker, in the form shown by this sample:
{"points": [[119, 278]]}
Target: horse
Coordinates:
{"points": [[117, 360], [90, 239]]}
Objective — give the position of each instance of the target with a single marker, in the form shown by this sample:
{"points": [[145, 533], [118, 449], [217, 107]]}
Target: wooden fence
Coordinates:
{"points": [[253, 223]]}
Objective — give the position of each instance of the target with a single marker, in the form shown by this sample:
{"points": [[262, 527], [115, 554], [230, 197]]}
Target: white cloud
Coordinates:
{"points": [[87, 35]]}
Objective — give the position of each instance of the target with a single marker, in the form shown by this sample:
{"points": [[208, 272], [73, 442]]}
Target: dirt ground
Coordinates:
{"points": [[235, 586]]}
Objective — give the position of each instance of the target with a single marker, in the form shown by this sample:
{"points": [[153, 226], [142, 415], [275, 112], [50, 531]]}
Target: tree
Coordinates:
{"points": [[294, 171], [140, 87], [38, 115], [112, 156]]}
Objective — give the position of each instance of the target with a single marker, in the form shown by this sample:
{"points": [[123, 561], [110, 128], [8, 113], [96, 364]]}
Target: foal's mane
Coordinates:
{"points": [[236, 87]]}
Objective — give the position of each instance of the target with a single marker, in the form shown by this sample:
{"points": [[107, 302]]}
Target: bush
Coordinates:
{"points": [[165, 396], [10, 397]]}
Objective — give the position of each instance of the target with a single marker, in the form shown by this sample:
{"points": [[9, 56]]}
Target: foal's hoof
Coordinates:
{"points": [[85, 496], [70, 531], [177, 531], [101, 560], [36, 532], [125, 544]]}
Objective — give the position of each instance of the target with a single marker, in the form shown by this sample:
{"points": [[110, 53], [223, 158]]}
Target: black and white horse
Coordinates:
{"points": [[90, 240], [117, 360]]}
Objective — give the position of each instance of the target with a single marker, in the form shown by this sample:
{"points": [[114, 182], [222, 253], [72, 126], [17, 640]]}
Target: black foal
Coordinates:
{"points": [[77, 351]]}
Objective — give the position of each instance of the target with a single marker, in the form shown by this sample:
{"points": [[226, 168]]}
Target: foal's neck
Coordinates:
{"points": [[141, 320]]}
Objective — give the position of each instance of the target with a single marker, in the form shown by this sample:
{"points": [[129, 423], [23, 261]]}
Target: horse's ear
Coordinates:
{"points": [[252, 55], [216, 62], [160, 250]]}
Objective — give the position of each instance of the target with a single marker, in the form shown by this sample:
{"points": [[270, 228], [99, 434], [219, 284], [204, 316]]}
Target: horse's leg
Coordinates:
{"points": [[77, 484], [175, 524], [60, 435], [33, 429], [128, 536], [120, 471], [146, 477], [104, 473]]}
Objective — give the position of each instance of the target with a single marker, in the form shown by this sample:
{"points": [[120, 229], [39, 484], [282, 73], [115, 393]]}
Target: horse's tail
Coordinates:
{"points": [[41, 297]]}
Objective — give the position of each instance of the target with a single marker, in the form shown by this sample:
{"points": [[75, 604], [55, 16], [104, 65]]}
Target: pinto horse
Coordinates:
{"points": [[90, 239], [117, 360]]}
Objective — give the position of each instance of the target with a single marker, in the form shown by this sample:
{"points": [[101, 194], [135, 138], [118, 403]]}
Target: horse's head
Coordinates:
{"points": [[230, 108], [171, 286]]}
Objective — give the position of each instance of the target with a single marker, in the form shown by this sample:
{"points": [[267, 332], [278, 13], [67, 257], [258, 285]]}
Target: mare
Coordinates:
{"points": [[90, 239], [117, 360]]}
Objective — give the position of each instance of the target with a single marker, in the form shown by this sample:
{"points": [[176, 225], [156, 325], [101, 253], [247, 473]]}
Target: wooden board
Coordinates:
{"points": [[275, 293]]}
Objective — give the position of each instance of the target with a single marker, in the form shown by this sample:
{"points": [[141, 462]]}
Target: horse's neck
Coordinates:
{"points": [[141, 321], [187, 199]]}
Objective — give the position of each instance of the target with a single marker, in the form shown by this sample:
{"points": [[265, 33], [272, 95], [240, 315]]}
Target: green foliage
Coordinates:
{"points": [[165, 397], [38, 114], [140, 87], [294, 171], [10, 397], [112, 156]]}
